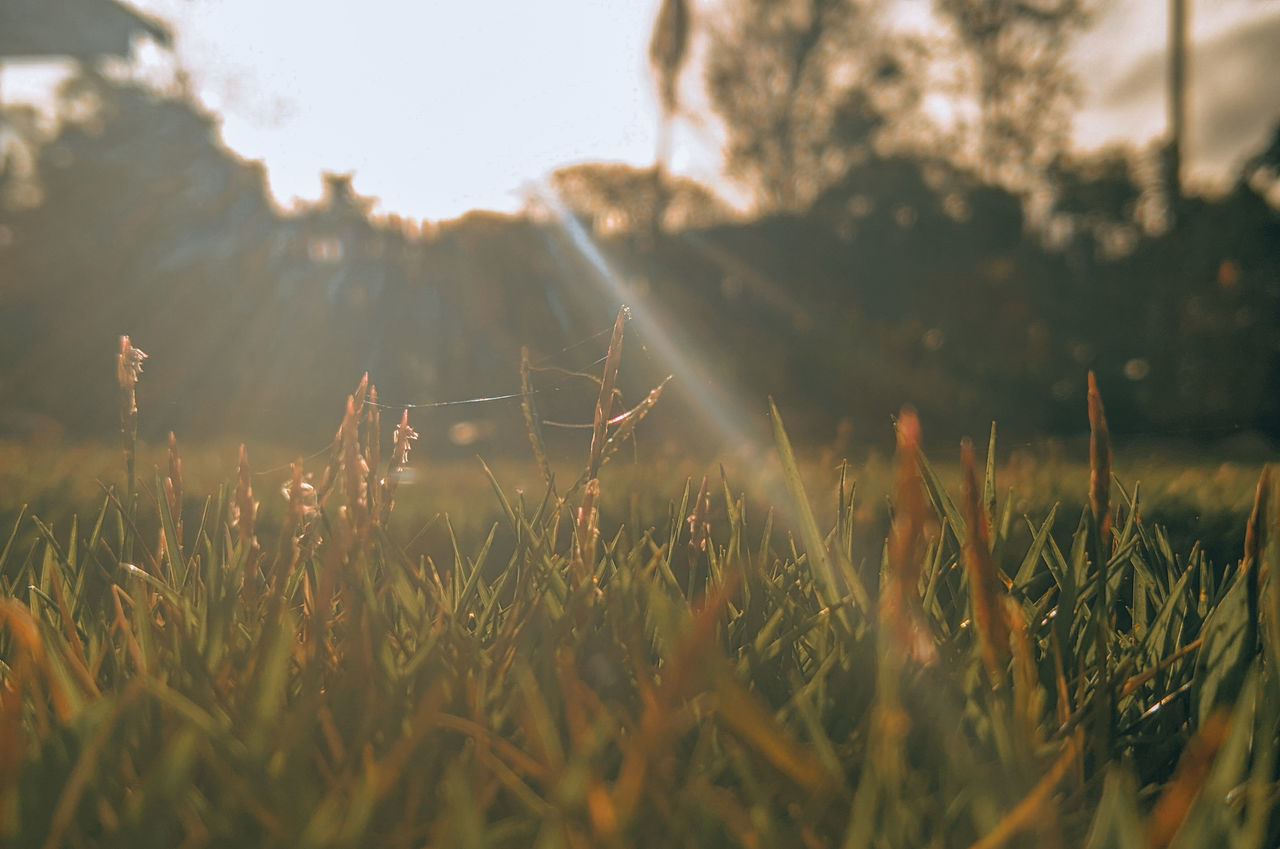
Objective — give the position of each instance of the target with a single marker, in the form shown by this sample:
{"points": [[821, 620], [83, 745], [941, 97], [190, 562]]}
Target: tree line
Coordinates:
{"points": [[973, 270]]}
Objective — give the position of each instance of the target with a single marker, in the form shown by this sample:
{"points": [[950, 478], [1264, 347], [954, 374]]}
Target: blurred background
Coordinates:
{"points": [[847, 204]]}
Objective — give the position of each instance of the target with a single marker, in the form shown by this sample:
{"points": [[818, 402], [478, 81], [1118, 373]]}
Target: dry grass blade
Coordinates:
{"points": [[362, 391], [699, 527], [626, 423], [699, 534], [604, 403], [742, 713], [1100, 505], [1028, 693], [907, 535], [900, 604], [1099, 464], [373, 453], [121, 624], [173, 487], [24, 630], [244, 508], [985, 588], [402, 438], [297, 494], [354, 468], [1255, 530], [1255, 547], [1269, 588], [532, 420], [586, 533], [292, 532], [128, 368], [1131, 685], [12, 734]]}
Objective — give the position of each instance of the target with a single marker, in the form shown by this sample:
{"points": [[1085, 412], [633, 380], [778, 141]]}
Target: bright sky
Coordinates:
{"points": [[438, 106], [441, 106]]}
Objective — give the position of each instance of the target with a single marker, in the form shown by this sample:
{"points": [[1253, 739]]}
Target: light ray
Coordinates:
{"points": [[677, 355], [742, 434]]}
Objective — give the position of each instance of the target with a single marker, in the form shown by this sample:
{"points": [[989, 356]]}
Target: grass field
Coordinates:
{"points": [[1197, 497], [396, 653]]}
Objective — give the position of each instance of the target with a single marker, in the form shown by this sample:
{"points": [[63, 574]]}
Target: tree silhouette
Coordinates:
{"points": [[1016, 50], [1097, 196], [668, 48], [616, 198], [803, 87]]}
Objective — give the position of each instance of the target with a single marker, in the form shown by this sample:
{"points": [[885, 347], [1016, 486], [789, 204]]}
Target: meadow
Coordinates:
{"points": [[367, 648]]}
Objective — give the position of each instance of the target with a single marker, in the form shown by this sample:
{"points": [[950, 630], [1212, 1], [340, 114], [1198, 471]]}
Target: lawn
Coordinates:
{"points": [[395, 652]]}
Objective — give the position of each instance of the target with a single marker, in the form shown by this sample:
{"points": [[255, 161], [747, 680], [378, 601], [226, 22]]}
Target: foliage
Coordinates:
{"points": [[907, 279], [614, 198], [719, 680], [803, 88], [808, 90], [182, 244], [1017, 50], [668, 49]]}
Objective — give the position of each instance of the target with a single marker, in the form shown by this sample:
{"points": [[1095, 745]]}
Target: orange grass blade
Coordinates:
{"points": [[909, 516], [1099, 464], [1100, 503], [900, 605], [25, 633], [1028, 693], [1193, 769], [1255, 546], [1255, 530], [586, 533], [741, 712], [1029, 812]]}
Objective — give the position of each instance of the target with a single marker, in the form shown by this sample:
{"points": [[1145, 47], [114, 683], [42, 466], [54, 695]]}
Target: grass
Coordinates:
{"points": [[597, 670], [1197, 499]]}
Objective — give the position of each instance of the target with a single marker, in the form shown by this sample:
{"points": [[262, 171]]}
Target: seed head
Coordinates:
{"points": [[129, 364], [402, 436]]}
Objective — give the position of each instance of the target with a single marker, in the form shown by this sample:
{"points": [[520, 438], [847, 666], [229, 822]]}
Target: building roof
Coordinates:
{"points": [[78, 29]]}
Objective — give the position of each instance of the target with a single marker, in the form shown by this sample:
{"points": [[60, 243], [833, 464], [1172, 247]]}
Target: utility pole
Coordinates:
{"points": [[1177, 103]]}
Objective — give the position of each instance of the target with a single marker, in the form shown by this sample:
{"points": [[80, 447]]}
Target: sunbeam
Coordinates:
{"points": [[676, 353]]}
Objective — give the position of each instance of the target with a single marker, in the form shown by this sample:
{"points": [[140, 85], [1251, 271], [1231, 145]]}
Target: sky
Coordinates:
{"points": [[442, 106], [1234, 90]]}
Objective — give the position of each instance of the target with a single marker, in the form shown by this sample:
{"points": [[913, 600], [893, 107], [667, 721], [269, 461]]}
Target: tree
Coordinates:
{"points": [[803, 87], [618, 198], [1265, 164], [1015, 51], [1096, 197], [668, 49]]}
